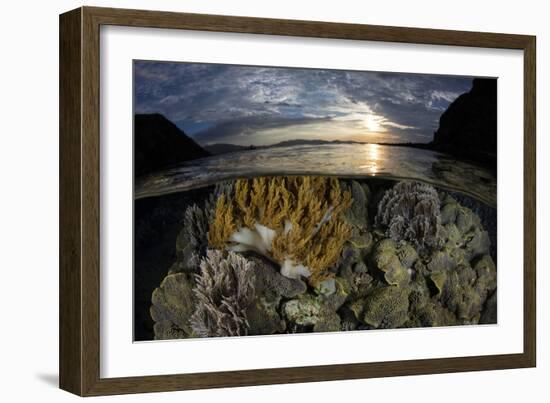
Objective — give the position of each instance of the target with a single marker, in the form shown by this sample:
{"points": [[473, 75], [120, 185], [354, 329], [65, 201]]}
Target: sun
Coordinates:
{"points": [[373, 123]]}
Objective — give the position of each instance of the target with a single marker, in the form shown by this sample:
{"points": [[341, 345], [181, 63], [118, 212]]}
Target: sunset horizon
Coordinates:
{"points": [[259, 106]]}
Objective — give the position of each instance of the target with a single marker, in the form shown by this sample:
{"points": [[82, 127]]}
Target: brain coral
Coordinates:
{"points": [[411, 211]]}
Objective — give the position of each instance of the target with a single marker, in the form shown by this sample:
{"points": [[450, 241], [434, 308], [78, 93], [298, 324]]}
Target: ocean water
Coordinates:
{"points": [[341, 160], [162, 197]]}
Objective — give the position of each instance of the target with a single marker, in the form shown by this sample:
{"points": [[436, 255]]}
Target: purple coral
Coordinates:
{"points": [[410, 211], [224, 289]]}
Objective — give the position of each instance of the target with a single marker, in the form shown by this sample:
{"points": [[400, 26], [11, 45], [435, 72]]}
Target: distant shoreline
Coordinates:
{"points": [[223, 148], [484, 159]]}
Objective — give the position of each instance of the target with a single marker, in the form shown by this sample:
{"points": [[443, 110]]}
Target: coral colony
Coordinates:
{"points": [[293, 254], [296, 222]]}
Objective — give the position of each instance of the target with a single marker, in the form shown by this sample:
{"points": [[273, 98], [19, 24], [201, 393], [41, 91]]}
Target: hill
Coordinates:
{"points": [[468, 128], [158, 143]]}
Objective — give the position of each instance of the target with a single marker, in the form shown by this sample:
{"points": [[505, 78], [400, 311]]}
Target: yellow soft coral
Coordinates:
{"points": [[224, 223], [296, 221]]}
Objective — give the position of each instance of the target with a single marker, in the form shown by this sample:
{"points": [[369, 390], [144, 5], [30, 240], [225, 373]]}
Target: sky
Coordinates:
{"points": [[250, 105]]}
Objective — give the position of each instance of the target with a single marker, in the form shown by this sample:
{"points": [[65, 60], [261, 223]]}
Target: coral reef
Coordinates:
{"points": [[297, 254], [386, 307], [410, 211], [173, 303], [191, 242], [394, 261], [224, 289], [357, 214], [296, 221], [272, 288], [318, 311], [221, 189]]}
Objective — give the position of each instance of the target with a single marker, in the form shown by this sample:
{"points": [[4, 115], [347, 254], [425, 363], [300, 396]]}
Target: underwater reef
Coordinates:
{"points": [[295, 254]]}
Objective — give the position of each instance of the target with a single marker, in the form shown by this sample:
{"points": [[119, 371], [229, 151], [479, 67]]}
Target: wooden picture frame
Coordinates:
{"points": [[79, 278]]}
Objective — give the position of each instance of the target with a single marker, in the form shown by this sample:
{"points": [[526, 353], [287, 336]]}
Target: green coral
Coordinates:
{"points": [[303, 311], [394, 260], [318, 311], [386, 307], [173, 303], [486, 272], [464, 235], [264, 318], [458, 294], [357, 214], [271, 288], [464, 290], [357, 278], [431, 314]]}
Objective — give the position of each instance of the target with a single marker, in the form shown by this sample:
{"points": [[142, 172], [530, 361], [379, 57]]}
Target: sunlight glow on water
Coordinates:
{"points": [[342, 160], [373, 152]]}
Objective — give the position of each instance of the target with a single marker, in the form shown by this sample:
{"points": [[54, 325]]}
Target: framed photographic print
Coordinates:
{"points": [[249, 201]]}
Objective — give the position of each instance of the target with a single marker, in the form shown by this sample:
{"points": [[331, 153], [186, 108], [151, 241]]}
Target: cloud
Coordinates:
{"points": [[239, 131], [230, 103]]}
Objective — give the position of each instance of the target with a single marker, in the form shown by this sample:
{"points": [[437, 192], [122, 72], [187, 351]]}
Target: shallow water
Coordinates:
{"points": [[342, 160]]}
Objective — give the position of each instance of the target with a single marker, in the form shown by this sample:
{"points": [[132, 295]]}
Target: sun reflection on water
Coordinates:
{"points": [[373, 158]]}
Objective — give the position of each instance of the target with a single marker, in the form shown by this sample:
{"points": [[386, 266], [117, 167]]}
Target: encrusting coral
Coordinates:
{"points": [[296, 221], [271, 289], [394, 261], [387, 307], [411, 211], [224, 289], [318, 309], [173, 303]]}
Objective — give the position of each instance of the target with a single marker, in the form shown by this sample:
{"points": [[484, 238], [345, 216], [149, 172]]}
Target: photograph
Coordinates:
{"points": [[272, 200]]}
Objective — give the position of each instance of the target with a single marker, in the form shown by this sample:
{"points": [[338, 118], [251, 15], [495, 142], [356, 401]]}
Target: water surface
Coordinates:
{"points": [[342, 160]]}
